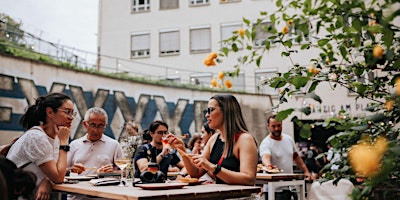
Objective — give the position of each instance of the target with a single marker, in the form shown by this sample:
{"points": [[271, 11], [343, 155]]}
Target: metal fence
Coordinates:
{"points": [[17, 38]]}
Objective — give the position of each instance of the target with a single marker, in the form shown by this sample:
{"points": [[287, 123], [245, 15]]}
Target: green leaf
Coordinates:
{"points": [[234, 47], [305, 131], [313, 86], [314, 96], [225, 51], [300, 81], [305, 46], [322, 42], [376, 118], [246, 21], [305, 110], [281, 115], [359, 128], [285, 54], [388, 37], [278, 82]]}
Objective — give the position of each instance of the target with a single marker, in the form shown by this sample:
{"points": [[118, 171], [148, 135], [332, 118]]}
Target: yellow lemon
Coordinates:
{"points": [[364, 160], [389, 105], [241, 32], [397, 85], [221, 75], [381, 145], [228, 84], [214, 82], [289, 22], [377, 51], [285, 29]]}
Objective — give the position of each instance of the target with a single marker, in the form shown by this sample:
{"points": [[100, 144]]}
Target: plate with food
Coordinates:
{"points": [[270, 169], [79, 178], [189, 181], [161, 186]]}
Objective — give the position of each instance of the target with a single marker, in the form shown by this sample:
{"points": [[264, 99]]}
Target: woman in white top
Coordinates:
{"points": [[48, 124]]}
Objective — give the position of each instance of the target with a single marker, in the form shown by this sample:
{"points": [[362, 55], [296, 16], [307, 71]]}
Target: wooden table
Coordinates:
{"points": [[281, 179], [203, 191]]}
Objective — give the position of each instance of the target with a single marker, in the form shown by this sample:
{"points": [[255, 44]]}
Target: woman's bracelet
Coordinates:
{"points": [[217, 169]]}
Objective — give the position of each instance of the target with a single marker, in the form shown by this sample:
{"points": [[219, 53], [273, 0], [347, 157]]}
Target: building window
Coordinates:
{"points": [[364, 79], [200, 40], [227, 32], [169, 4], [201, 79], [229, 1], [262, 33], [199, 2], [262, 78], [140, 5], [140, 45], [169, 42], [238, 82]]}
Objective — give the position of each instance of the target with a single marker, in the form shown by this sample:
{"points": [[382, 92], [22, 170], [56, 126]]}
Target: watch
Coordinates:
{"points": [[64, 147]]}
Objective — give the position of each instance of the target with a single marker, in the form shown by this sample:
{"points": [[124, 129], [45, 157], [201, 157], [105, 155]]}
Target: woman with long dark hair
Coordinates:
{"points": [[231, 153], [43, 148]]}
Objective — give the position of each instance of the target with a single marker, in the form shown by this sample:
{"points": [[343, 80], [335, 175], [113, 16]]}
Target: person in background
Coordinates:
{"points": [[164, 158], [131, 128], [15, 183], [95, 151], [207, 132], [43, 148], [231, 154], [311, 162], [146, 136], [279, 150], [194, 144]]}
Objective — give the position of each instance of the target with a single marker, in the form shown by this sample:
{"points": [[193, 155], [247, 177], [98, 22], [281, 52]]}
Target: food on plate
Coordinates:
{"points": [[187, 179], [269, 169]]}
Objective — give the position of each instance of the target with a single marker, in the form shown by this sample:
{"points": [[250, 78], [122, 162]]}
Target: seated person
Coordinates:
{"points": [[94, 152], [164, 158]]}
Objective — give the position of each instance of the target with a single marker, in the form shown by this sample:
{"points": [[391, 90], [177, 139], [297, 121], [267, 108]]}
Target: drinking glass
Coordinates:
{"points": [[164, 141], [122, 163]]}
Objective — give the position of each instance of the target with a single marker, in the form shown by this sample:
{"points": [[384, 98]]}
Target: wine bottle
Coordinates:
{"points": [[153, 167]]}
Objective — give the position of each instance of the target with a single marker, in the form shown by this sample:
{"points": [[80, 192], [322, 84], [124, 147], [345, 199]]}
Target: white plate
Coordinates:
{"points": [[80, 178]]}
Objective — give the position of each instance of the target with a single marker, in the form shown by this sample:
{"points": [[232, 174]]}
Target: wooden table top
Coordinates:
{"points": [[278, 176], [203, 191]]}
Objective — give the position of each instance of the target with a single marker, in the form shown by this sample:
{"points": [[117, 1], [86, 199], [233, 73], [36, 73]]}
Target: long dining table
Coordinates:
{"points": [[202, 191]]}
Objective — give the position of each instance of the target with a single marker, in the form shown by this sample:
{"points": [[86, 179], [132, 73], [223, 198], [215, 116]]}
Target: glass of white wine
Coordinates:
{"points": [[122, 163]]}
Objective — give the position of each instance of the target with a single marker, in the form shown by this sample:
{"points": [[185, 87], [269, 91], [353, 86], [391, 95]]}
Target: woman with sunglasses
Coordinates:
{"points": [[231, 153], [42, 149]]}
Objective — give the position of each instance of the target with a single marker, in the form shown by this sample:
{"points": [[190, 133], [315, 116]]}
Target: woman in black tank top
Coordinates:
{"points": [[231, 154]]}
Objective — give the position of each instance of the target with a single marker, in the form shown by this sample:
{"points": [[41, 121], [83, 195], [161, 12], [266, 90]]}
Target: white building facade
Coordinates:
{"points": [[169, 39]]}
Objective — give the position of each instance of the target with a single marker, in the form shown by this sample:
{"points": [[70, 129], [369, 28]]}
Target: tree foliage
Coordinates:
{"points": [[356, 40]]}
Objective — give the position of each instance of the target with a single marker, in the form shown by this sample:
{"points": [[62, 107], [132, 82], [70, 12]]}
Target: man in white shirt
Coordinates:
{"points": [[94, 152], [279, 150]]}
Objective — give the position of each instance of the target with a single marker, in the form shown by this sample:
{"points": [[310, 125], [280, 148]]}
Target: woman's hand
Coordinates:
{"points": [[62, 133], [175, 142], [44, 189], [200, 162]]}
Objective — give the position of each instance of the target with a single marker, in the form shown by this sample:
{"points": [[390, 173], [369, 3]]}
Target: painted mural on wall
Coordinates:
{"points": [[180, 116]]}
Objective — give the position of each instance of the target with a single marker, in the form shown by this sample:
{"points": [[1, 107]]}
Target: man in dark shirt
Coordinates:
{"points": [[164, 157]]}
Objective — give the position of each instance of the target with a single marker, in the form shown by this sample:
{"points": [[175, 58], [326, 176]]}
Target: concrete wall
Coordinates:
{"points": [[21, 81]]}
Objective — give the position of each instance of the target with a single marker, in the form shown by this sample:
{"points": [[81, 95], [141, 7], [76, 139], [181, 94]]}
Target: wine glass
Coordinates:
{"points": [[165, 141], [122, 163]]}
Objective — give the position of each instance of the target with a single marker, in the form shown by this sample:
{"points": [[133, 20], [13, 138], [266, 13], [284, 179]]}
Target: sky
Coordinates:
{"points": [[71, 23]]}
